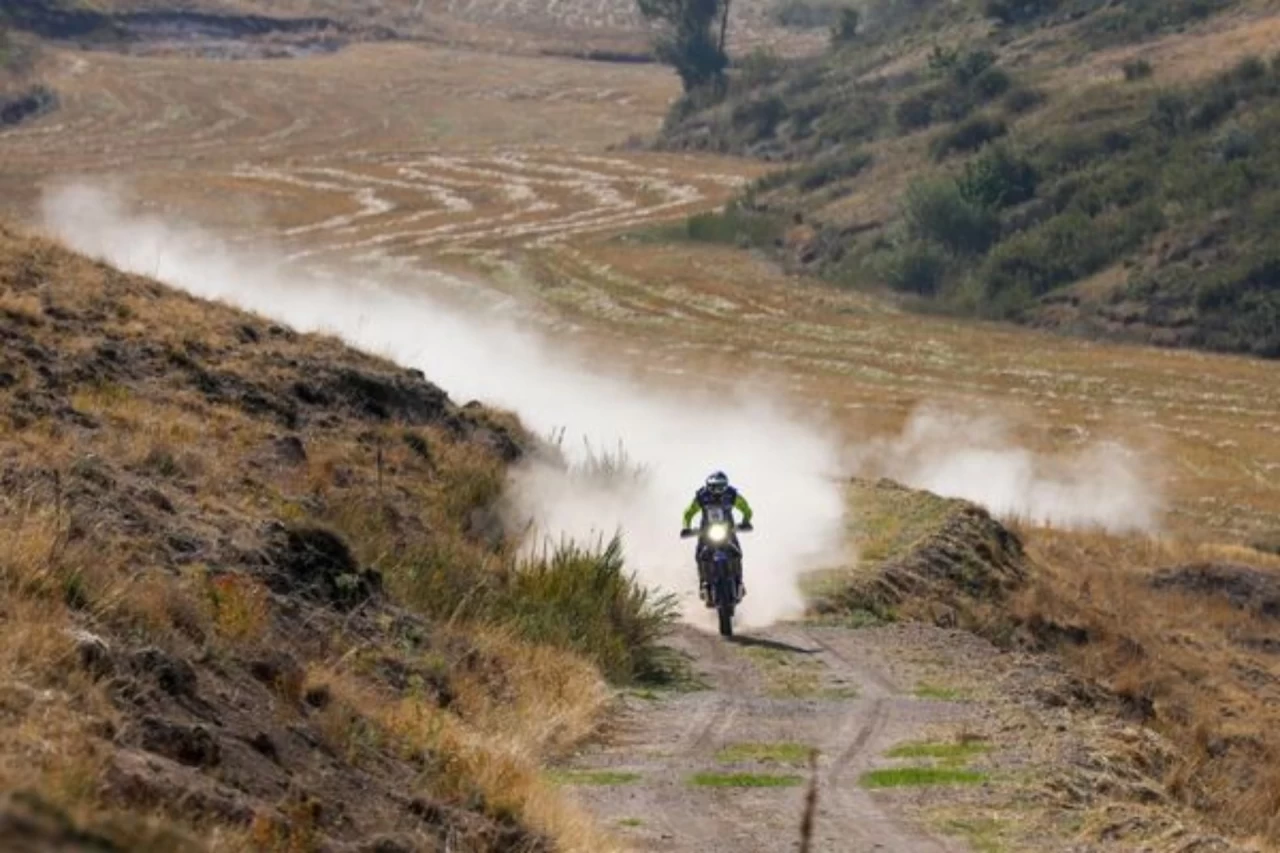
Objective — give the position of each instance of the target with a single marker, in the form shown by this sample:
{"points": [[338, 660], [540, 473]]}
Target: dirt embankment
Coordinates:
{"points": [[192, 504], [1173, 638]]}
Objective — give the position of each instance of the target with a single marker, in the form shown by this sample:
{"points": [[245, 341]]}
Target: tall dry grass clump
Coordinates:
{"points": [[1183, 635]]}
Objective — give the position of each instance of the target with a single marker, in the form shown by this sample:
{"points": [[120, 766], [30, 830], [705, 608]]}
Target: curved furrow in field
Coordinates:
{"points": [[473, 201]]}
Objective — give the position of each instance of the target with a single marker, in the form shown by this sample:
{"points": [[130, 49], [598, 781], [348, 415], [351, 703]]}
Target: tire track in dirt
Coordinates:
{"points": [[846, 708]]}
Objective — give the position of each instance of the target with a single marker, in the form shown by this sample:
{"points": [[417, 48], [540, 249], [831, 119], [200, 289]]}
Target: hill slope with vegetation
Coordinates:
{"points": [[256, 592], [1102, 168], [1174, 637], [22, 95]]}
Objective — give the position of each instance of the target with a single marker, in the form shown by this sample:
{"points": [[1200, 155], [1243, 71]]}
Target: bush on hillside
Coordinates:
{"points": [[1010, 12], [762, 116], [968, 136], [1023, 99], [967, 80], [1135, 20], [846, 27], [999, 178], [808, 14], [918, 267], [831, 170], [1137, 69], [584, 599], [938, 211]]}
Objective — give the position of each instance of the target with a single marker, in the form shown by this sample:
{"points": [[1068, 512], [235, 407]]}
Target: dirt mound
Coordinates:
{"points": [[924, 556], [1246, 587]]}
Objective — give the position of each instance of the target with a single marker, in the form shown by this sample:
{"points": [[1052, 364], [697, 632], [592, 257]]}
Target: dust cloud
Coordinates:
{"points": [[955, 453], [784, 464], [784, 461]]}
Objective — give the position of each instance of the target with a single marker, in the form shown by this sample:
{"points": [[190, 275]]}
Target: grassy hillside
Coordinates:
{"points": [[1175, 637], [21, 93], [1100, 168], [257, 595]]}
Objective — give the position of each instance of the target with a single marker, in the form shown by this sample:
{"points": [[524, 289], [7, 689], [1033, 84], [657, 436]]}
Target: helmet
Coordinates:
{"points": [[717, 483]]}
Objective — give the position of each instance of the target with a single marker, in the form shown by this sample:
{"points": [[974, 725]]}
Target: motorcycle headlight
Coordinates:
{"points": [[717, 533]]}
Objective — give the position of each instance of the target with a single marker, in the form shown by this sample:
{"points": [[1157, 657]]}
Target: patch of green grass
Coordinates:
{"points": [[948, 753], [745, 780], [789, 675], [781, 753], [593, 777], [631, 822], [937, 692], [908, 777]]}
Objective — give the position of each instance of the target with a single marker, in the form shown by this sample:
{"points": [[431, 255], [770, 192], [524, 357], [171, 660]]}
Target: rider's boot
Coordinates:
{"points": [[742, 589], [703, 590]]}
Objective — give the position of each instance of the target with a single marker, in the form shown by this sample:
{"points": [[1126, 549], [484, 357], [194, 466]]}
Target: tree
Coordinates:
{"points": [[690, 43]]}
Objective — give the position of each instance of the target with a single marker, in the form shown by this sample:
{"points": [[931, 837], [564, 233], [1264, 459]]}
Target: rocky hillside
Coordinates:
{"points": [[1099, 168], [256, 593]]}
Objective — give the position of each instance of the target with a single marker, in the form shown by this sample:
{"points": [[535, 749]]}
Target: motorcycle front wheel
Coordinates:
{"points": [[725, 595]]}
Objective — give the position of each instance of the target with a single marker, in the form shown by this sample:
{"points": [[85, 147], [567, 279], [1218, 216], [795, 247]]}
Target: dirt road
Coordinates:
{"points": [[768, 697]]}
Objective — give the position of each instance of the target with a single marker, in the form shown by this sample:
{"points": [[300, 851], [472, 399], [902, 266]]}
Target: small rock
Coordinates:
{"points": [[94, 653], [264, 745], [318, 697], [291, 450], [171, 673], [280, 672], [193, 746]]}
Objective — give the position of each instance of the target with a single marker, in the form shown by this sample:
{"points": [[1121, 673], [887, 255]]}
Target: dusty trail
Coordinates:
{"points": [[789, 684]]}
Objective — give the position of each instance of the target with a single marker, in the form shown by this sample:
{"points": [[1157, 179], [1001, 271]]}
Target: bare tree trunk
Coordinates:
{"points": [[724, 25]]}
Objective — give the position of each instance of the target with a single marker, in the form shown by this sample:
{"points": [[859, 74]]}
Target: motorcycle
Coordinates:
{"points": [[718, 548]]}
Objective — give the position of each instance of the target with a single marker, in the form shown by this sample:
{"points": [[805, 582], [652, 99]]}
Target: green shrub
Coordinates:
{"points": [[937, 210], [915, 112], [762, 115], [846, 27], [962, 68], [1139, 19], [1137, 69], [1009, 12], [583, 599], [808, 14], [999, 178], [833, 169], [1169, 113], [1064, 249], [991, 84], [1240, 307], [917, 267], [1022, 100], [760, 67], [969, 135]]}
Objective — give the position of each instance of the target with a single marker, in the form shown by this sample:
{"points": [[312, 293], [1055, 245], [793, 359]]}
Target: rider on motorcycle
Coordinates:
{"points": [[718, 492]]}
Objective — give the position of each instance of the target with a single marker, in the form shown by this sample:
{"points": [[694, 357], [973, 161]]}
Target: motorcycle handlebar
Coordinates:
{"points": [[690, 532]]}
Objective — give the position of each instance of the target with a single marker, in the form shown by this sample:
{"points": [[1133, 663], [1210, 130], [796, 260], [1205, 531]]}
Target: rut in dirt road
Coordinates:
{"points": [[767, 697]]}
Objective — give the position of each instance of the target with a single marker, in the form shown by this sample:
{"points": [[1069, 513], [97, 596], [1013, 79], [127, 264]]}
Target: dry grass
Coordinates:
{"points": [[134, 493], [1192, 666], [487, 745]]}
